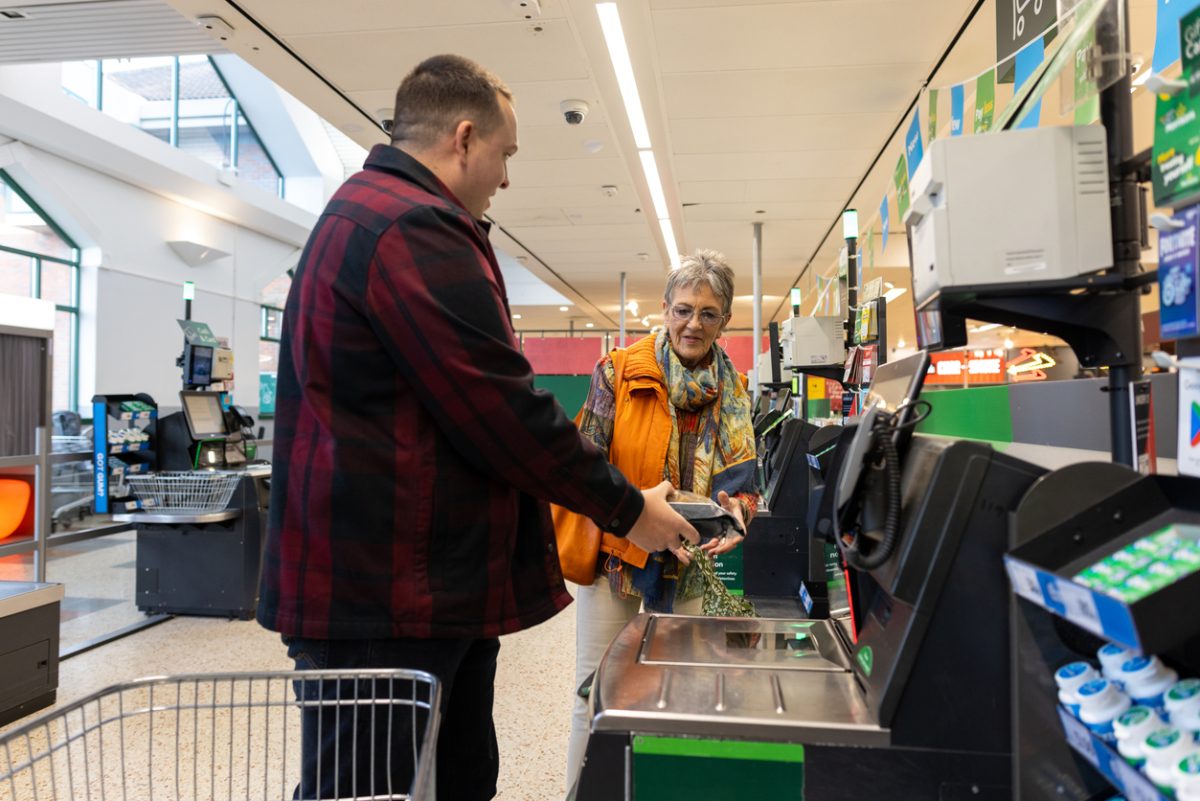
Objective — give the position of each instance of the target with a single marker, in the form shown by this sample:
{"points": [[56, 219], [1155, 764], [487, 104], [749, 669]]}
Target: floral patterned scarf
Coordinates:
{"points": [[725, 456]]}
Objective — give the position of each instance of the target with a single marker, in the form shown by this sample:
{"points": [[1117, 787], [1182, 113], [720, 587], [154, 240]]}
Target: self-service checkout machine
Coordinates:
{"points": [[911, 698], [203, 511], [910, 694]]}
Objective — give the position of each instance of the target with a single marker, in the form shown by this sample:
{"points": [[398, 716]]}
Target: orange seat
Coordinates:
{"points": [[14, 503]]}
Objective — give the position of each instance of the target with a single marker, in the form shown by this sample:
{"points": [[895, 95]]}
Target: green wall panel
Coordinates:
{"points": [[975, 413], [570, 390]]}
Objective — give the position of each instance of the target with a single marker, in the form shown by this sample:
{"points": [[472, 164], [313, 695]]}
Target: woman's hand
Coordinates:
{"points": [[728, 542]]}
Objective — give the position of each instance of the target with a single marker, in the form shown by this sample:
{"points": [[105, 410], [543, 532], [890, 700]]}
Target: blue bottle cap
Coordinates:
{"points": [[1073, 669], [1135, 664], [1093, 687], [1112, 649]]}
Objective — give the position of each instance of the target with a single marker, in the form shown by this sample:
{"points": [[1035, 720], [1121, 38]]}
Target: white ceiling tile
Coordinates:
{"points": [[781, 133], [747, 212], [792, 35], [827, 90], [596, 170], [292, 18], [511, 218], [377, 60], [605, 215], [764, 166], [560, 142], [521, 195]]}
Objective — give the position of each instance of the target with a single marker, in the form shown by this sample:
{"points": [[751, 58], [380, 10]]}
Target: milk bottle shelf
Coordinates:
{"points": [[1124, 568], [1134, 784]]}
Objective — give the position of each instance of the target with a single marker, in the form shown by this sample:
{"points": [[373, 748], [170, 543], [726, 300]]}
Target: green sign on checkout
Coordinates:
{"points": [[1175, 164], [866, 659]]}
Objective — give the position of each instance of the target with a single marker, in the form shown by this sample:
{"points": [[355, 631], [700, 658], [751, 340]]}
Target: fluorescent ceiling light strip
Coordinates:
{"points": [[618, 53], [650, 170], [669, 240]]}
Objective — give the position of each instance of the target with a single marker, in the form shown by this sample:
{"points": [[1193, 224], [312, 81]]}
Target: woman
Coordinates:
{"points": [[671, 406]]}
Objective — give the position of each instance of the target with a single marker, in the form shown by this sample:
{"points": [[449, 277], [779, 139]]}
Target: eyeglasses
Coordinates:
{"points": [[683, 314]]}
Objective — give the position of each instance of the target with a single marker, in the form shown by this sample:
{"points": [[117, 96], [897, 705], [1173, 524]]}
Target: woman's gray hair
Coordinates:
{"points": [[703, 266]]}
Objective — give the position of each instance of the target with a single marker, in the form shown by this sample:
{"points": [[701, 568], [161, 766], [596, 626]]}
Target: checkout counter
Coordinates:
{"points": [[199, 539], [910, 693]]}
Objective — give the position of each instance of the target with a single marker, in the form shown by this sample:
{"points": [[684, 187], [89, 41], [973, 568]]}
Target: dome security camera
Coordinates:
{"points": [[573, 111]]}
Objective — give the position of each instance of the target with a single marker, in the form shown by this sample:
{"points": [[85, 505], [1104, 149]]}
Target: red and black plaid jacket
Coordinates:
{"points": [[413, 457]]}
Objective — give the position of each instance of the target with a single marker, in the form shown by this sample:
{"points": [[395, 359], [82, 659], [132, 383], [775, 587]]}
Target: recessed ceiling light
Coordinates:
{"points": [[589, 325], [516, 317], [564, 308]]}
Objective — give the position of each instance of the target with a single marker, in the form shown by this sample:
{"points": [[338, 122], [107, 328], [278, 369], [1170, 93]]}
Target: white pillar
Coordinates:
{"points": [[756, 333], [622, 340]]}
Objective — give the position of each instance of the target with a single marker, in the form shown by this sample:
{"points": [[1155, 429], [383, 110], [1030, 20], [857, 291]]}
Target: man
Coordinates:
{"points": [[413, 458]]}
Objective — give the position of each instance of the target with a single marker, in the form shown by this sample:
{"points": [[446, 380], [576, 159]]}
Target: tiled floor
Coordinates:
{"points": [[533, 684]]}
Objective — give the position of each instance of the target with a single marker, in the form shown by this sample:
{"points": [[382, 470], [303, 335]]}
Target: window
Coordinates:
{"points": [[38, 260], [183, 101], [274, 296]]}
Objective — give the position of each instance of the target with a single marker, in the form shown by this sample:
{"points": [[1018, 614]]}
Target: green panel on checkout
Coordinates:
{"points": [[715, 770]]}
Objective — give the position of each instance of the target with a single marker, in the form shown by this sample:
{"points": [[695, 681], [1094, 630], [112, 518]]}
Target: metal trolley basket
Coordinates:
{"points": [[230, 736], [185, 491]]}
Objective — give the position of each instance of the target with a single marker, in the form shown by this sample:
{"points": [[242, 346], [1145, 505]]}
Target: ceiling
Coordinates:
{"points": [[758, 112], [777, 112]]}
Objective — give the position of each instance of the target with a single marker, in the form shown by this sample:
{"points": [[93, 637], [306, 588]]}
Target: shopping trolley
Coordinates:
{"points": [[233, 736]]}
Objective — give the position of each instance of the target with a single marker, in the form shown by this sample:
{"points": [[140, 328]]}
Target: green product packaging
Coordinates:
{"points": [[1113, 573], [1131, 560], [1092, 580]]}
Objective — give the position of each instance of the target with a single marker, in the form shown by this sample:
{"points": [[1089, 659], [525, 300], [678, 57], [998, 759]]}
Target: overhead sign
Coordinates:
{"points": [[966, 368], [1031, 365], [198, 333], [1019, 22]]}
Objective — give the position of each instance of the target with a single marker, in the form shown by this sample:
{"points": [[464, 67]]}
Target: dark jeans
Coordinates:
{"points": [[358, 755]]}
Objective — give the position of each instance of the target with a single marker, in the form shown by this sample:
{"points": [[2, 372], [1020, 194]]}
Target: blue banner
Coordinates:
{"points": [[1178, 282], [1166, 31], [912, 144], [956, 110], [1029, 58], [883, 222]]}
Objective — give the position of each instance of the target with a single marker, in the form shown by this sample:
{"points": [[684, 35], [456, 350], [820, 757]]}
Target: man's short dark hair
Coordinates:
{"points": [[439, 93]]}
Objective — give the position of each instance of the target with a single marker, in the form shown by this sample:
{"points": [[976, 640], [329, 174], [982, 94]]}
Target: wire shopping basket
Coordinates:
{"points": [[184, 491], [234, 736]]}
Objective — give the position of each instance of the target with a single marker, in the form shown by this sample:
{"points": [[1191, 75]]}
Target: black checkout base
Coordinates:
{"points": [[204, 564], [29, 618]]}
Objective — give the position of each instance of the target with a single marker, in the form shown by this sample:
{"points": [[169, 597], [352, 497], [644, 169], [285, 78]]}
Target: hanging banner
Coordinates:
{"points": [[1174, 174], [933, 115], [912, 149], [1178, 282], [985, 101], [1029, 58], [869, 246], [883, 224], [1087, 97], [1166, 32], [1018, 23], [901, 177], [956, 109]]}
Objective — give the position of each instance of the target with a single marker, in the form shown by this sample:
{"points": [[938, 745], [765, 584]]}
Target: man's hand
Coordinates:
{"points": [[727, 543], [659, 527]]}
